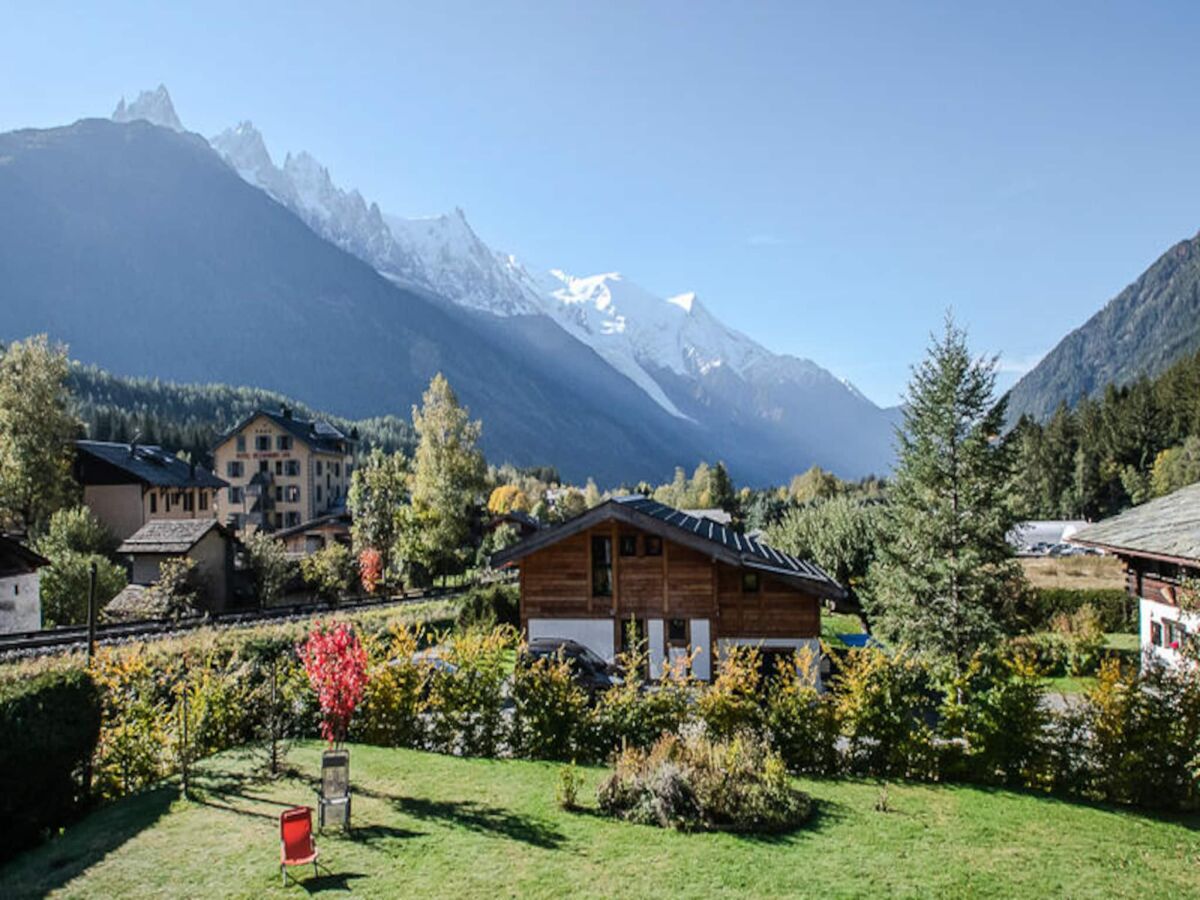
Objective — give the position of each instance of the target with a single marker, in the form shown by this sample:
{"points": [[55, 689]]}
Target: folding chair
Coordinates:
{"points": [[296, 840]]}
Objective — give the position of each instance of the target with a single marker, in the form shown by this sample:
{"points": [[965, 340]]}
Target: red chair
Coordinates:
{"points": [[296, 847]]}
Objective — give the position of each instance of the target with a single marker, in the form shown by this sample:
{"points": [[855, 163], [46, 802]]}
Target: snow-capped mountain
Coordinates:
{"points": [[672, 349]]}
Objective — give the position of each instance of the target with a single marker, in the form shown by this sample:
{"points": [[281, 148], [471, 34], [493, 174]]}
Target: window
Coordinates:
{"points": [[337, 469], [235, 495], [278, 493], [1156, 634], [602, 566], [189, 502], [292, 493], [283, 442], [262, 442], [318, 493], [1176, 634], [203, 500], [653, 545], [153, 505], [292, 467], [262, 465], [677, 630], [318, 468], [166, 502], [629, 545], [279, 467], [234, 468], [241, 443], [292, 519], [750, 582]]}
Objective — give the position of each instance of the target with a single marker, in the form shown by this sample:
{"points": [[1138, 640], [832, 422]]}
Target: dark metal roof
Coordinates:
{"points": [[725, 543], [144, 463], [17, 559], [317, 434], [1166, 527], [169, 535]]}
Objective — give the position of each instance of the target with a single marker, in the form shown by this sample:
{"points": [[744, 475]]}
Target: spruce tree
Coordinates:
{"points": [[945, 568]]}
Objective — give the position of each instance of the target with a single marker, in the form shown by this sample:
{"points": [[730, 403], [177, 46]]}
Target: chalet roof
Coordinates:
{"points": [[104, 462], [168, 536], [340, 517], [17, 559], [1167, 527], [723, 543], [716, 514], [317, 434]]}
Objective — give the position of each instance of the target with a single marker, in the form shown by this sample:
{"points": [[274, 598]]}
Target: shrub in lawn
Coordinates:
{"points": [[394, 701], [1113, 606], [1045, 652], [135, 739], [465, 703], [635, 714], [1082, 636], [336, 663], [803, 723], [489, 606], [994, 721], [691, 782], [566, 793], [732, 703], [887, 707], [49, 726], [550, 712]]}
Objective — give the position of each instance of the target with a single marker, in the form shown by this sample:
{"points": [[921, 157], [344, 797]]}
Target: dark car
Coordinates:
{"points": [[590, 671]]}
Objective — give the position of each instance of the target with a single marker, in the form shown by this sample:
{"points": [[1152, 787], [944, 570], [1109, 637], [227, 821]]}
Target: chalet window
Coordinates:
{"points": [[241, 443], [153, 503], [283, 442], [203, 500], [235, 495], [677, 630], [1156, 634], [750, 582], [653, 545], [262, 442], [629, 545], [602, 566], [1176, 633], [233, 468]]}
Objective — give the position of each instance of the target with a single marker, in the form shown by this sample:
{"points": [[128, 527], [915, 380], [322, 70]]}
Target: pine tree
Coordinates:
{"points": [[945, 567]]}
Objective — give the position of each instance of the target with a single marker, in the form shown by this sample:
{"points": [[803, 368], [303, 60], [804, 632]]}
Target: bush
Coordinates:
{"points": [[330, 572], [1083, 638], [694, 783], [732, 703], [566, 793], [803, 723], [465, 702], [1116, 611], [49, 726], [633, 714], [489, 606], [888, 708], [551, 711], [391, 713]]}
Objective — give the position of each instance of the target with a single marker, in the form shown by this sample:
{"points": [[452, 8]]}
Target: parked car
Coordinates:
{"points": [[590, 671]]}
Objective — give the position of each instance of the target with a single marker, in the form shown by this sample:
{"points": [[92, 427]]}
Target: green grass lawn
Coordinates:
{"points": [[833, 625], [435, 826], [1119, 641]]}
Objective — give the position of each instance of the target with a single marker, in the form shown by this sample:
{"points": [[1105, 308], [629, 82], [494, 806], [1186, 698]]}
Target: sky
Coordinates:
{"points": [[830, 178]]}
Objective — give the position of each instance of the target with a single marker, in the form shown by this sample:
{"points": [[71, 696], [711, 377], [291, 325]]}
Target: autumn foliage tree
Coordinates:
{"points": [[336, 664], [370, 569]]}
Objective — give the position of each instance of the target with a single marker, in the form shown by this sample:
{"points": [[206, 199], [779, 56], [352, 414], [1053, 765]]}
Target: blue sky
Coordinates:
{"points": [[828, 177]]}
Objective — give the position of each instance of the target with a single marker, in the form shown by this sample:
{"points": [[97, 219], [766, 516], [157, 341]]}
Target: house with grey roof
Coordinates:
{"points": [[205, 541], [20, 586], [1159, 544], [128, 485], [690, 587]]}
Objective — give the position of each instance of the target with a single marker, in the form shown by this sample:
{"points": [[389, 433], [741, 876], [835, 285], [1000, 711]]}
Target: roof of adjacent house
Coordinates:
{"points": [[169, 535], [317, 434], [716, 514], [103, 462], [17, 559], [703, 534], [339, 518], [1168, 527]]}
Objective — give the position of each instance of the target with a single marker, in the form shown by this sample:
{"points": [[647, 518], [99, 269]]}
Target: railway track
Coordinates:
{"points": [[29, 643]]}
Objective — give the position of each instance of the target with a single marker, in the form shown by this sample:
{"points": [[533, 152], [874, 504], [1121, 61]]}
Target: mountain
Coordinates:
{"points": [[149, 255], [153, 106], [1149, 325]]}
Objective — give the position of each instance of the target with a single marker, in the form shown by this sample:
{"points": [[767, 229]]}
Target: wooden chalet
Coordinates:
{"points": [[1159, 544], [687, 583]]}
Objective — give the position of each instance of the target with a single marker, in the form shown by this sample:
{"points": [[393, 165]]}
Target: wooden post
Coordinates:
{"points": [[615, 549], [91, 614], [591, 571], [666, 593]]}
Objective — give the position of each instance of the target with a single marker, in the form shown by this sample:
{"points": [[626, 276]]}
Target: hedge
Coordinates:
{"points": [[49, 726], [1118, 612]]}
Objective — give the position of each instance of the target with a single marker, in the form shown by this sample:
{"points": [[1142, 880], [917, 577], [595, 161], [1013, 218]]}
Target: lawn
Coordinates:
{"points": [[437, 826], [1079, 572], [1118, 641]]}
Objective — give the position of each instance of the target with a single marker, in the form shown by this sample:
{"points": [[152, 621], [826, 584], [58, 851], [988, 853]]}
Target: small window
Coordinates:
{"points": [[283, 442], [318, 468], [653, 545], [279, 493], [292, 519], [602, 566], [318, 493], [293, 493], [677, 630], [241, 443], [235, 495], [262, 465], [189, 502], [292, 468], [1156, 634], [166, 502], [153, 503], [337, 469], [233, 468], [279, 467], [262, 442], [203, 500], [750, 582], [629, 545]]}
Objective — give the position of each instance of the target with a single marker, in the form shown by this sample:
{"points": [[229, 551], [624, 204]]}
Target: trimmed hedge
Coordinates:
{"points": [[49, 726], [1118, 611]]}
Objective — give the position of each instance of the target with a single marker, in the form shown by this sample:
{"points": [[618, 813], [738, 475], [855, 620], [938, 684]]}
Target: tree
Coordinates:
{"points": [[73, 541], [177, 591], [329, 571], [378, 492], [944, 567], [336, 664], [448, 478], [269, 563], [721, 494], [1176, 467], [815, 484], [36, 431], [507, 498]]}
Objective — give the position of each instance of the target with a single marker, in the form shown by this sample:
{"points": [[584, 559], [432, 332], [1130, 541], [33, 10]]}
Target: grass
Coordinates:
{"points": [[1118, 641], [1081, 572], [428, 825], [833, 625]]}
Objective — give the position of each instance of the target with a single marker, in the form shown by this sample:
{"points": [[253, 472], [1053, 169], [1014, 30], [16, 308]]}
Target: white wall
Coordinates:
{"points": [[797, 644], [20, 603], [595, 634], [1152, 611]]}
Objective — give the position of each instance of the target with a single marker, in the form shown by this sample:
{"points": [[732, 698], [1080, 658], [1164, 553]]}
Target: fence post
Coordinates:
{"points": [[91, 615]]}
